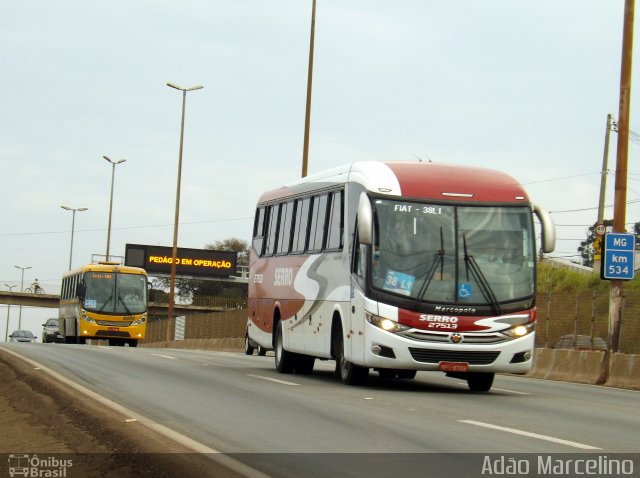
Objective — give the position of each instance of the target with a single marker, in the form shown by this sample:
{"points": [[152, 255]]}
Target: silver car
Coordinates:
{"points": [[22, 336]]}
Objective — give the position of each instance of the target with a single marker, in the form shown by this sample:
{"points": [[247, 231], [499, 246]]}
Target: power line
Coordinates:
{"points": [[123, 228], [560, 179]]}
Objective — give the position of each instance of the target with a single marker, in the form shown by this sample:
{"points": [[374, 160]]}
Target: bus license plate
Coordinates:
{"points": [[454, 366]]}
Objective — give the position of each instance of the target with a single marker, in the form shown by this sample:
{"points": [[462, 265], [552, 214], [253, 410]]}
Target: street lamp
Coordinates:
{"points": [[21, 290], [6, 329], [174, 255], [113, 173], [73, 222]]}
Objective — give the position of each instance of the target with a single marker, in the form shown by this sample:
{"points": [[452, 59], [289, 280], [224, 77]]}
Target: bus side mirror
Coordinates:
{"points": [[365, 219], [548, 229]]}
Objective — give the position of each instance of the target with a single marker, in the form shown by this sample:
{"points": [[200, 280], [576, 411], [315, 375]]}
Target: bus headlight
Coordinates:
{"points": [[139, 321], [86, 318], [385, 324], [520, 330]]}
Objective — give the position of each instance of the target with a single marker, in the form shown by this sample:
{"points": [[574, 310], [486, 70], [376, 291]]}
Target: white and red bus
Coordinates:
{"points": [[397, 267]]}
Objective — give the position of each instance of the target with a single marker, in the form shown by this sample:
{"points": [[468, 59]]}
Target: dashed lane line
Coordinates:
{"points": [[531, 435]]}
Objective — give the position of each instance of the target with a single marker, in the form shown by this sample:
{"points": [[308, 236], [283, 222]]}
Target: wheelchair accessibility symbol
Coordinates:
{"points": [[465, 291]]}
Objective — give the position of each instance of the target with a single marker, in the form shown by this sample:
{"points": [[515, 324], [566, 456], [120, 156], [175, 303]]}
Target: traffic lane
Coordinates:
{"points": [[401, 416]]}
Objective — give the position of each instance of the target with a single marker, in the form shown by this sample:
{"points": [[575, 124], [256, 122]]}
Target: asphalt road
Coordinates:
{"points": [[240, 405]]}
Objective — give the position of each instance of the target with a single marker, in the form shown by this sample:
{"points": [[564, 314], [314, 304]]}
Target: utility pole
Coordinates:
{"points": [[619, 206], [307, 116], [603, 188], [605, 169]]}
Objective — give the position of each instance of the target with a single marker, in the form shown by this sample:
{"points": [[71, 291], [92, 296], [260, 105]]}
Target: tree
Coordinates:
{"points": [[587, 249], [234, 245]]}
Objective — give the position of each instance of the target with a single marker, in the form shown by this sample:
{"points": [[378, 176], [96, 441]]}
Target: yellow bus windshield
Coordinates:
{"points": [[115, 293]]}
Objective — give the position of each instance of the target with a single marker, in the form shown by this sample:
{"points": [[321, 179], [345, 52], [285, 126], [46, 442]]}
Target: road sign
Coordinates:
{"points": [[600, 229], [619, 256]]}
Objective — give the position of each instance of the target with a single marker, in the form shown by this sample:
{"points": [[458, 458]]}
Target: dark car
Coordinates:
{"points": [[50, 332], [22, 336]]}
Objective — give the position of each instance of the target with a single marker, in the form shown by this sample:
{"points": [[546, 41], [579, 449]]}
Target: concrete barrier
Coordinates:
{"points": [[587, 366], [542, 362], [624, 371], [582, 366]]}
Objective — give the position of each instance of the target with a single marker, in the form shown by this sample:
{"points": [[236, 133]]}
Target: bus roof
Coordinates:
{"points": [[434, 181], [105, 268]]}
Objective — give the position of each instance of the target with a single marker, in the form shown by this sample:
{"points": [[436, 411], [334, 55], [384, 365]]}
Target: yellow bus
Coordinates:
{"points": [[104, 301]]}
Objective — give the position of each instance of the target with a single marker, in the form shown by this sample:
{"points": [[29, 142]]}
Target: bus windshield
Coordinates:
{"points": [[475, 255], [115, 293]]}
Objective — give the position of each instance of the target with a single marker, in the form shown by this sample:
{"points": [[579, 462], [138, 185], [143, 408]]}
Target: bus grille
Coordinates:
{"points": [[111, 333], [468, 338], [109, 323], [470, 357]]}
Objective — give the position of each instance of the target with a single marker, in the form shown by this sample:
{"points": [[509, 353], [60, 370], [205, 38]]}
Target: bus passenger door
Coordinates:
{"points": [[355, 328]]}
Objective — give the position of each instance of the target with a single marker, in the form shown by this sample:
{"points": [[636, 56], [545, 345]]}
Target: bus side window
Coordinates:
{"points": [[284, 234], [318, 223], [258, 230], [300, 226], [335, 223], [271, 233]]}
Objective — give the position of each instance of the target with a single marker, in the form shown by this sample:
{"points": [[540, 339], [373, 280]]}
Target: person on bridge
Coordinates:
{"points": [[35, 288]]}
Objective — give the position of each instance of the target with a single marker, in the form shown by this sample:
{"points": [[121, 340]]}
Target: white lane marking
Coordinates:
{"points": [[509, 391], [197, 447], [165, 356], [531, 435], [272, 379]]}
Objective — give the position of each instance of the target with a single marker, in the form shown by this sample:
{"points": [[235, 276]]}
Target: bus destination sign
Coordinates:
{"points": [[189, 262]]}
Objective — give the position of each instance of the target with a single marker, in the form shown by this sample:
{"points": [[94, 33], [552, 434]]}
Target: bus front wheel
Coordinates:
{"points": [[349, 373], [480, 381]]}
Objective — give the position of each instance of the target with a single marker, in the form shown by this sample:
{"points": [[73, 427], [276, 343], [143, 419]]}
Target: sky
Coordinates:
{"points": [[519, 86]]}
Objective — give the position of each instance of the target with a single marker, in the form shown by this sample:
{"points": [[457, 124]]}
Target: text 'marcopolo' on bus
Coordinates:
{"points": [[104, 301], [397, 267]]}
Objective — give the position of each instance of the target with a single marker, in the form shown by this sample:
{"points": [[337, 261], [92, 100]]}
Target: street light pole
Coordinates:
{"points": [[307, 116], [21, 290], [6, 329], [113, 173], [73, 223], [174, 254]]}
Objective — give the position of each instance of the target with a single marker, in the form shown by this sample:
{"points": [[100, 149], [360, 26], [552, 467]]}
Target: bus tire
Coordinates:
{"points": [[407, 374], [304, 364], [349, 373], [480, 381], [285, 361], [248, 348]]}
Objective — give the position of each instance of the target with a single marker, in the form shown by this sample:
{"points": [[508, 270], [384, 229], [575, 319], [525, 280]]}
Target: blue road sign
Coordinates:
{"points": [[618, 259]]}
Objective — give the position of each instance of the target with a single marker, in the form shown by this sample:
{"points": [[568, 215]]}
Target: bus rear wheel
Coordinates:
{"points": [[285, 361], [248, 348]]}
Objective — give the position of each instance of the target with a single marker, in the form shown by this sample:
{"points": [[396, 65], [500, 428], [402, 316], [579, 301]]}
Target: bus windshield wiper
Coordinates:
{"points": [[124, 305], [105, 304], [438, 260], [485, 287]]}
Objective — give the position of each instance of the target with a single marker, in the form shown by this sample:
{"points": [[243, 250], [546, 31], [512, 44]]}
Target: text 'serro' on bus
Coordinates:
{"points": [[104, 301], [397, 267]]}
